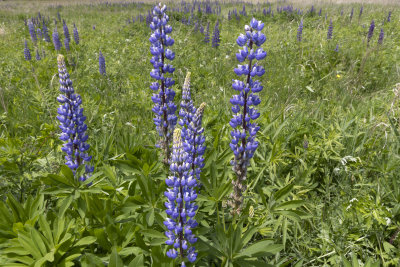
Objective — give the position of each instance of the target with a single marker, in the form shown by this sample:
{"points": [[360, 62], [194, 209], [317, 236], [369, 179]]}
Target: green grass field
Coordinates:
{"points": [[323, 188]]}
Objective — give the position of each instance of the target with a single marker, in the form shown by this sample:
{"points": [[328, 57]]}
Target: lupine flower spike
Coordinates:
{"points": [[330, 30], [66, 44], [102, 64], [56, 40], [76, 35], [337, 48], [32, 31], [371, 31], [187, 109], [207, 34], [72, 124], [66, 31], [243, 134], [163, 98], [216, 36], [194, 143], [180, 204], [300, 31], [27, 52], [351, 13], [381, 35], [38, 55]]}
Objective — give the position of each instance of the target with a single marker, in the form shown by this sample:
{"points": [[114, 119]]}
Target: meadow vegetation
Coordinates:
{"points": [[323, 187]]}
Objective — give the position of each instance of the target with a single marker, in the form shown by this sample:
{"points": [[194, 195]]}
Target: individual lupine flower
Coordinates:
{"points": [[46, 33], [76, 35], [187, 109], [216, 36], [300, 31], [163, 97], [38, 55], [320, 12], [102, 64], [361, 11], [201, 29], [180, 206], [244, 131], [371, 31], [72, 124], [56, 40], [351, 13], [66, 31], [337, 48], [381, 35], [389, 16], [27, 52], [330, 30], [58, 16], [341, 12], [207, 34], [32, 31], [66, 44]]}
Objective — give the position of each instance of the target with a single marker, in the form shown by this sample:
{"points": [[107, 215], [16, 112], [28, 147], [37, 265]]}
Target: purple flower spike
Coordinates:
{"points": [[76, 35], [181, 194], [163, 97], [72, 124], [32, 31], [102, 64], [66, 32], [243, 143], [371, 31], [330, 30], [46, 33], [216, 36], [300, 31], [56, 40], [27, 52], [38, 55], [207, 34], [66, 44], [381, 35], [351, 13]]}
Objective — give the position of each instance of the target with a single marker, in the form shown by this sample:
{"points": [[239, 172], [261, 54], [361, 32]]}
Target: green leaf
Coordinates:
{"points": [[293, 204], [283, 192], [152, 233], [346, 263], [150, 217], [87, 240], [138, 261], [115, 260], [261, 249]]}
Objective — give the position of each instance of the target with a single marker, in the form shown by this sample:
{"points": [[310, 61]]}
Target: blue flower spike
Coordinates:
{"points": [[244, 131], [72, 124], [163, 97]]}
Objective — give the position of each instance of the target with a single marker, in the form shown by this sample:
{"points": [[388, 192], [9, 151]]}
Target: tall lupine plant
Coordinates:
{"points": [[164, 107], [244, 131], [72, 124]]}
